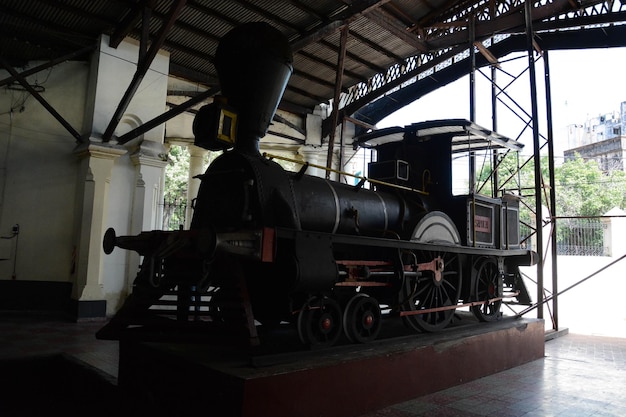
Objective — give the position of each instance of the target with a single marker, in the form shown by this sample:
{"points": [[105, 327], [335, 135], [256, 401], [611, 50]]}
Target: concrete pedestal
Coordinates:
{"points": [[348, 380]]}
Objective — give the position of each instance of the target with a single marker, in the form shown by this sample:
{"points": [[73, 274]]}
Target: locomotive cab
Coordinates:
{"points": [[434, 158]]}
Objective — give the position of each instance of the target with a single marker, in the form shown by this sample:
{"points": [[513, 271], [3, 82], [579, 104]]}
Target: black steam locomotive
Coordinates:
{"points": [[269, 247]]}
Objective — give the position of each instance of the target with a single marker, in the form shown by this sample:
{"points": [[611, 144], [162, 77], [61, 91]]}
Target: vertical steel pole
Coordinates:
{"points": [[537, 156], [472, 99], [341, 55], [472, 73], [553, 253], [494, 127]]}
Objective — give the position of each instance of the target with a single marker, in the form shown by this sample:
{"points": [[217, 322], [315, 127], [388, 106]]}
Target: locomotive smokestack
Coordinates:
{"points": [[254, 62]]}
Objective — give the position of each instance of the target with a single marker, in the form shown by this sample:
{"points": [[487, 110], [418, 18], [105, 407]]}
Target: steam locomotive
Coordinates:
{"points": [[269, 247]]}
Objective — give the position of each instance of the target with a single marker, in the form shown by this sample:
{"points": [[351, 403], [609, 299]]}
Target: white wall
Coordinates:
{"points": [[594, 306], [114, 70], [592, 303], [38, 172], [39, 168]]}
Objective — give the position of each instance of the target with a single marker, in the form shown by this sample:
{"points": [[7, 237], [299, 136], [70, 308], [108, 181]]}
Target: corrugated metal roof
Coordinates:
{"points": [[44, 30], [381, 33]]}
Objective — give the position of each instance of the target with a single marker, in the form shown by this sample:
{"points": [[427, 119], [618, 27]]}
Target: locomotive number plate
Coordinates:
{"points": [[482, 224]]}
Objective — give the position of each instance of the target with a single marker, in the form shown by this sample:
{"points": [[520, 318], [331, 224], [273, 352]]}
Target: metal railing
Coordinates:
{"points": [[580, 237], [575, 237], [174, 213]]}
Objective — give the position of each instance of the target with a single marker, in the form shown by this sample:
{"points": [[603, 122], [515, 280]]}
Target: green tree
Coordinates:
{"points": [[176, 179], [583, 189], [175, 195]]}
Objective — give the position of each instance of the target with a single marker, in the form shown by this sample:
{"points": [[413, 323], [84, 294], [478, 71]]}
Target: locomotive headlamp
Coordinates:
{"points": [[215, 126]]}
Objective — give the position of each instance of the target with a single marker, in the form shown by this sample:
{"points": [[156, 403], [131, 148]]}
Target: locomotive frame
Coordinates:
{"points": [[268, 248]]}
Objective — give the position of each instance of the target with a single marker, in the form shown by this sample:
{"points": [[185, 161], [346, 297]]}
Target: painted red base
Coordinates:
{"points": [[346, 381]]}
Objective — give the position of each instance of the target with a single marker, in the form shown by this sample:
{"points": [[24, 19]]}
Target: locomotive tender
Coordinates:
{"points": [[273, 248]]}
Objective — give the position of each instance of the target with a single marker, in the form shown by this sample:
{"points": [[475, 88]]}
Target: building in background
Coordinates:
{"points": [[601, 138]]}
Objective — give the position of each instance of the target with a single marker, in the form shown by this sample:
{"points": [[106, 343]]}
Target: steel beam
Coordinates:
{"points": [[167, 115], [41, 100], [50, 64], [142, 68], [338, 82]]}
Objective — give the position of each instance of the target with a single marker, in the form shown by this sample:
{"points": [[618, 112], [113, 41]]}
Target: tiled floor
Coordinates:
{"points": [[22, 337], [580, 375]]}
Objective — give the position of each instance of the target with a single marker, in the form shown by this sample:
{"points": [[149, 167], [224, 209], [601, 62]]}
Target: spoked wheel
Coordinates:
{"points": [[438, 284], [362, 319], [432, 291], [319, 322], [487, 287]]}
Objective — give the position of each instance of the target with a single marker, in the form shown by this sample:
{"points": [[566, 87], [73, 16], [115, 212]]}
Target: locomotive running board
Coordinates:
{"points": [[524, 257]]}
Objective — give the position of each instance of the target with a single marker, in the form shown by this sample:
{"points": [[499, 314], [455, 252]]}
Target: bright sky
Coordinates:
{"points": [[584, 83]]}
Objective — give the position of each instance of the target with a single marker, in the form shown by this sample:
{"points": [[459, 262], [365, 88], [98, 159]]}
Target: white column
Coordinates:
{"points": [[149, 160], [196, 167], [94, 176], [137, 177], [614, 230], [316, 156]]}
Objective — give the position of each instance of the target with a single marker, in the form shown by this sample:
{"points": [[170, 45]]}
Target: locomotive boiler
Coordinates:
{"points": [[269, 248]]}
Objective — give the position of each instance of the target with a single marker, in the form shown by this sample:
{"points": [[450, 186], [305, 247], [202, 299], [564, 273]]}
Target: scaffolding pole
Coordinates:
{"points": [[536, 153]]}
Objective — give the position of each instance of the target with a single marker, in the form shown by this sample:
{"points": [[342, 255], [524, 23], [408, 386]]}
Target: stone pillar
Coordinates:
{"points": [[196, 167], [618, 245], [135, 201], [315, 156], [149, 159], [94, 176], [614, 227]]}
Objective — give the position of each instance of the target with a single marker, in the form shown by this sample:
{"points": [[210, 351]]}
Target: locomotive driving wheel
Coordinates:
{"points": [[486, 289], [429, 298], [429, 294], [319, 322], [362, 319]]}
